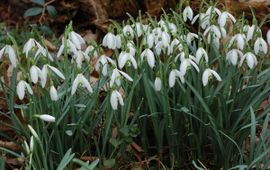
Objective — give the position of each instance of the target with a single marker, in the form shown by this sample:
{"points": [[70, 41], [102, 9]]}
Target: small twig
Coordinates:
{"points": [[42, 16]]}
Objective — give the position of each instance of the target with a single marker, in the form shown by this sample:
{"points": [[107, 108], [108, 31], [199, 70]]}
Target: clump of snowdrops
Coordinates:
{"points": [[189, 98]]}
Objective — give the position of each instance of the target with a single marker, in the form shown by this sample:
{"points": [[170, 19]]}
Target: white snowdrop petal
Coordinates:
{"points": [[118, 41], [28, 46], [11, 55], [232, 17], [187, 14], [57, 72], [29, 89], [75, 85], [157, 84], [123, 58], [20, 89], [86, 84], [183, 67], [268, 37], [150, 40], [133, 61], [222, 19], [60, 51], [250, 61], [53, 93], [126, 76], [34, 133], [47, 118], [205, 77], [119, 98], [76, 39], [32, 144], [260, 46], [216, 75], [34, 72], [150, 59], [172, 77], [43, 76], [113, 100]]}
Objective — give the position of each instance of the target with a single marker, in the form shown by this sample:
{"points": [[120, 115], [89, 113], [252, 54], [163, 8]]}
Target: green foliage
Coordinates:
{"points": [[40, 9], [184, 110]]}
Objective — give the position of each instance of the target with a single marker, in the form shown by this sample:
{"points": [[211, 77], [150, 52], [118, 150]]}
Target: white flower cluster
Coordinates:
{"points": [[140, 47]]}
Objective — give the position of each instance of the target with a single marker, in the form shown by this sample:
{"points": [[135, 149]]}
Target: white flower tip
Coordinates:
{"points": [[46, 118]]}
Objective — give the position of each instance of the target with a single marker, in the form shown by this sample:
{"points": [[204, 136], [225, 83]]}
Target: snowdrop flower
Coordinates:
{"points": [[70, 48], [139, 29], [43, 76], [34, 133], [150, 40], [173, 75], [251, 60], [240, 39], [250, 30], [190, 37], [34, 74], [104, 60], [213, 29], [149, 56], [80, 56], [115, 99], [44, 71], [128, 31], [28, 46], [165, 39], [76, 39], [118, 41], [201, 53], [161, 23], [160, 47], [157, 34], [260, 46], [116, 77], [90, 50], [204, 20], [46, 118], [158, 84], [187, 14], [109, 41], [186, 64], [233, 55], [21, 86], [212, 10], [131, 48], [124, 57], [11, 54], [175, 45], [268, 37], [173, 28], [223, 18], [207, 74], [53, 93], [32, 43], [80, 79]]}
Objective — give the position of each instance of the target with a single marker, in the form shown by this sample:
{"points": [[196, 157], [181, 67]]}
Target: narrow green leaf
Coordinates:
{"points": [[32, 12], [2, 163], [85, 165], [66, 159]]}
